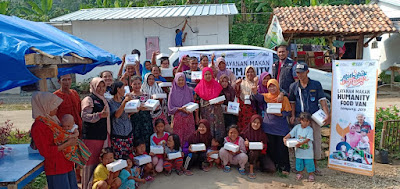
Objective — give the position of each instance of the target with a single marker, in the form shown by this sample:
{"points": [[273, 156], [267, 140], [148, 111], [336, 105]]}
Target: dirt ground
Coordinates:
{"points": [[386, 176]]}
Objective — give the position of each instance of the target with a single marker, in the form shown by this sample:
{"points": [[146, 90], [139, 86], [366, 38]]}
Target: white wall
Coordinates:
{"points": [[121, 36]]}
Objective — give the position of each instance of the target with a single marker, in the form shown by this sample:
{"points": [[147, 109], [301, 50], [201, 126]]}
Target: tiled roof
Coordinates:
{"points": [[325, 20], [149, 12]]}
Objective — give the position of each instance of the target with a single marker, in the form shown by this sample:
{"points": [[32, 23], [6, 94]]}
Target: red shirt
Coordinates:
{"points": [[71, 105], [54, 160]]}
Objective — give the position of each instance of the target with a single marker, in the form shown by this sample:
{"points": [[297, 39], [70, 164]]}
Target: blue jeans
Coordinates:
{"points": [[62, 181], [307, 163]]}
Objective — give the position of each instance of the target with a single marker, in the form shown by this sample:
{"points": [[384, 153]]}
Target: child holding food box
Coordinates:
{"points": [[158, 140], [102, 177], [234, 151], [198, 144]]}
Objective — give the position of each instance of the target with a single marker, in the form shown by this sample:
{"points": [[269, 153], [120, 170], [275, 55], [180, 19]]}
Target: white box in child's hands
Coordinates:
{"points": [[157, 149], [291, 142], [233, 108], [131, 59], [165, 84], [273, 111], [196, 75], [132, 106], [217, 100], [256, 145], [248, 102], [198, 147], [117, 165], [167, 72], [231, 147], [174, 155], [214, 156], [247, 97], [152, 104], [191, 106], [319, 117], [142, 159], [159, 96], [274, 105]]}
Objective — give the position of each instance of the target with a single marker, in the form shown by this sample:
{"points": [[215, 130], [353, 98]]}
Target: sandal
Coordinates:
{"points": [[311, 178], [251, 176], [179, 172], [227, 169], [168, 173], [188, 173], [149, 178], [206, 169], [242, 171], [299, 177], [318, 172]]}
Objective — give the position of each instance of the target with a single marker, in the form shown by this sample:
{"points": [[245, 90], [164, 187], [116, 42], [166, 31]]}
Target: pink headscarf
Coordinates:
{"points": [[208, 90], [226, 72], [179, 96], [43, 103]]}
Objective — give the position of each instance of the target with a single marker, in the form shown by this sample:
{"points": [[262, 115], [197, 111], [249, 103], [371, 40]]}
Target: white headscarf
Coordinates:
{"points": [[43, 103], [150, 90], [246, 85]]}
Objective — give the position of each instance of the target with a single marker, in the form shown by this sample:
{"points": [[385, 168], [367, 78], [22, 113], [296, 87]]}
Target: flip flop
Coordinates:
{"points": [[188, 173], [206, 169], [299, 177], [251, 176], [311, 178], [179, 172], [318, 172], [242, 171], [227, 169]]}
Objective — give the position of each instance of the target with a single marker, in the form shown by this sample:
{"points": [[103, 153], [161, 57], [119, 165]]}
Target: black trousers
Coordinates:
{"points": [[197, 159], [278, 152]]}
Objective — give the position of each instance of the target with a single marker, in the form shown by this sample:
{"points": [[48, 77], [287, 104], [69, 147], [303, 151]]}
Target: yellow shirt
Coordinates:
{"points": [[100, 173]]}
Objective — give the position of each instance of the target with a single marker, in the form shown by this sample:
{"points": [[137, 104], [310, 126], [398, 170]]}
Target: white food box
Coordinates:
{"points": [[131, 59], [291, 143], [159, 96], [167, 72], [274, 105], [191, 106], [217, 100], [174, 155], [273, 111], [157, 149], [75, 126], [319, 117], [132, 106], [198, 147], [231, 147], [248, 102], [127, 90], [247, 97], [162, 55], [165, 84], [142, 159], [117, 165], [152, 104], [214, 156], [233, 108], [196, 75], [256, 145]]}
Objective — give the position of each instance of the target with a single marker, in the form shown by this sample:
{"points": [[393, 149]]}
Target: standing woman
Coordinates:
{"points": [[121, 132], [230, 94], [222, 70], [59, 171], [180, 95], [262, 88], [243, 87], [96, 125], [107, 76], [206, 90], [147, 66], [142, 122]]}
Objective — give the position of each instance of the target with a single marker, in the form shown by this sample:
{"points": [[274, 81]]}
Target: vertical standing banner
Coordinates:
{"points": [[354, 85], [238, 60]]}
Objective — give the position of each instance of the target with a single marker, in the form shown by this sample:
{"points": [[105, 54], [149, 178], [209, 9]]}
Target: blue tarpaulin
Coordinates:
{"points": [[18, 35]]}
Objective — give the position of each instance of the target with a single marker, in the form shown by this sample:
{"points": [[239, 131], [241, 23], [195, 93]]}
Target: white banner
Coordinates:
{"points": [[354, 86], [238, 60]]}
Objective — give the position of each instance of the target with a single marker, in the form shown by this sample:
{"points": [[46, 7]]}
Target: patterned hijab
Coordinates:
{"points": [[246, 85], [179, 96], [229, 92], [226, 72], [208, 90], [150, 90], [255, 135], [205, 138], [261, 87], [43, 103]]}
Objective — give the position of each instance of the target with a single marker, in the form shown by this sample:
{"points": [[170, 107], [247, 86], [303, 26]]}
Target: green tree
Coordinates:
{"points": [[4, 7], [38, 11]]}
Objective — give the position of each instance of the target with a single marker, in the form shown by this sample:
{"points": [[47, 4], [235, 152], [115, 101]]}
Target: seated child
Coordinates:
{"points": [[254, 133], [130, 176], [102, 178], [147, 169], [159, 138], [214, 149], [202, 135], [173, 146], [230, 158], [364, 141], [304, 149]]}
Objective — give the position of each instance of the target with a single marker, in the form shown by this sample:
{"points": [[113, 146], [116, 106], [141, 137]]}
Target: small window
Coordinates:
{"points": [[374, 45]]}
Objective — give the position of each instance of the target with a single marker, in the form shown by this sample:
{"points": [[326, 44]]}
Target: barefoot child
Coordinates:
{"points": [[304, 149], [147, 169], [159, 138], [234, 158], [102, 178], [130, 176], [173, 146]]}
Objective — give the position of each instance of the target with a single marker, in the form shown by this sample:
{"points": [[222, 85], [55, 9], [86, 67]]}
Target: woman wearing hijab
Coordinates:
{"points": [[59, 171], [206, 90], [262, 88], [230, 94], [96, 125], [276, 126], [222, 70], [180, 95], [146, 68], [202, 135], [243, 88]]}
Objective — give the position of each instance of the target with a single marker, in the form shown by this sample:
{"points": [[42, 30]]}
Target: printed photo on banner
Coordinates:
{"points": [[353, 114], [237, 61]]}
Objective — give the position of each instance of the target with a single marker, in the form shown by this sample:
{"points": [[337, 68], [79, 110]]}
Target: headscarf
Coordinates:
{"points": [[179, 96], [150, 90], [261, 87], [208, 90], [246, 85], [273, 98], [43, 103], [145, 70], [205, 138], [226, 72], [229, 92], [255, 135]]}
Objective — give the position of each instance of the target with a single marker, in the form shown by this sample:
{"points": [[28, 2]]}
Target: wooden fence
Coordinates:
{"points": [[390, 137]]}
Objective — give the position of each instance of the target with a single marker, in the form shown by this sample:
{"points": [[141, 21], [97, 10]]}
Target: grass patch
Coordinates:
{"points": [[12, 107], [323, 163], [38, 183], [280, 174]]}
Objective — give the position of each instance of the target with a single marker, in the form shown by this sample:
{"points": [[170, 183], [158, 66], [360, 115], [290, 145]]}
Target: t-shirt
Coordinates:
{"points": [[178, 39], [100, 173], [158, 141], [121, 126], [306, 150]]}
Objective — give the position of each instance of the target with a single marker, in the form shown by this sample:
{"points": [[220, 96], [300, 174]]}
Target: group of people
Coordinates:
{"points": [[107, 132]]}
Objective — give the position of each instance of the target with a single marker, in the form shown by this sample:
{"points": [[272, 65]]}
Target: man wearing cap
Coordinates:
{"points": [[304, 96], [283, 69]]}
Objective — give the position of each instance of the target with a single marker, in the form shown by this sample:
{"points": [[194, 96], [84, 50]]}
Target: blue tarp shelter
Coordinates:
{"points": [[17, 36]]}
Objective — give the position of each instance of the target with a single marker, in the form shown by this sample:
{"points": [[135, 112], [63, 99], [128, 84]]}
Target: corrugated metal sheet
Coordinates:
{"points": [[149, 12]]}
